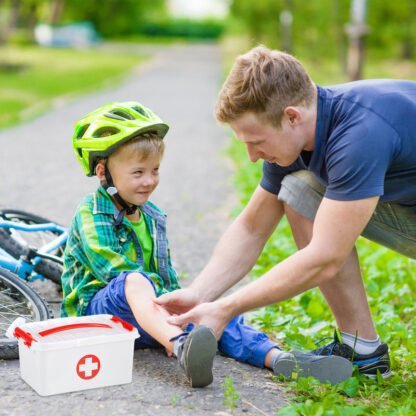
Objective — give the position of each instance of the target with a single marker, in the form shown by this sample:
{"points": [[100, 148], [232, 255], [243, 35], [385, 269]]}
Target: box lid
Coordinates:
{"points": [[74, 331]]}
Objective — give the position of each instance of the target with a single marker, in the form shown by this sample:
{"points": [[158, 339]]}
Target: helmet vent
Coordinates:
{"points": [[82, 131], [105, 131], [123, 114], [140, 110]]}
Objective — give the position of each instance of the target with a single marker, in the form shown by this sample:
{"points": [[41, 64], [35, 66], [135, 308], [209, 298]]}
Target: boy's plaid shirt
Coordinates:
{"points": [[97, 251]]}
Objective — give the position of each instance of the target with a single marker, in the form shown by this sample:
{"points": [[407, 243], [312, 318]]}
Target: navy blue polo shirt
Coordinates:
{"points": [[365, 143]]}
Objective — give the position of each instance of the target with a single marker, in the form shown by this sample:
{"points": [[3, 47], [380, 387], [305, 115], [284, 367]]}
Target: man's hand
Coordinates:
{"points": [[178, 301], [211, 314]]}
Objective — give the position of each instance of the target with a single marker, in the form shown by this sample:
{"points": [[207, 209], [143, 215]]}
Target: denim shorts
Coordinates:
{"points": [[391, 225]]}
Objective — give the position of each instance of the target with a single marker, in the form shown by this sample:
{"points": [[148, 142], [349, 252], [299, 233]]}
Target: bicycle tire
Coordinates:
{"points": [[20, 247], [17, 298]]}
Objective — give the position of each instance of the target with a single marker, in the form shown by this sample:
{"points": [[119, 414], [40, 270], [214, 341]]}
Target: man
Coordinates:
{"points": [[339, 161]]}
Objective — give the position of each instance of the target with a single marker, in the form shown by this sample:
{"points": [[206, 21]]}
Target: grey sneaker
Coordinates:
{"points": [[196, 355], [332, 369]]}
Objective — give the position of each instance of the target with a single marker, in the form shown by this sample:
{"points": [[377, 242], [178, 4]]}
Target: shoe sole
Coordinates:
{"points": [[200, 352], [386, 375], [332, 369]]}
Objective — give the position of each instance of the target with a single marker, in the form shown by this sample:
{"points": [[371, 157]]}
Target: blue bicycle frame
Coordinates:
{"points": [[23, 268]]}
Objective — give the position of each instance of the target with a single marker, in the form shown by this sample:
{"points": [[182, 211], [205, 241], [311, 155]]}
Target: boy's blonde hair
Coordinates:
{"points": [[145, 145], [264, 82]]}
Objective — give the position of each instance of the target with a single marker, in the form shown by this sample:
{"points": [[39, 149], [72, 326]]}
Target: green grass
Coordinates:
{"points": [[390, 280], [33, 78]]}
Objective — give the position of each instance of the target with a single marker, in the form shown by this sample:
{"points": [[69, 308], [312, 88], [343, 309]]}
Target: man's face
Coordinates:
{"points": [[281, 145], [134, 177]]}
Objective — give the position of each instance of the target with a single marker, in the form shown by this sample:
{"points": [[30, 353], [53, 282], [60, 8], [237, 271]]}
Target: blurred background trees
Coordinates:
{"points": [[111, 18], [315, 26], [311, 29], [334, 29]]}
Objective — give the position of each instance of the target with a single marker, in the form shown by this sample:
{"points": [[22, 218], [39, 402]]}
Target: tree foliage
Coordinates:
{"points": [[110, 17], [319, 26], [115, 17]]}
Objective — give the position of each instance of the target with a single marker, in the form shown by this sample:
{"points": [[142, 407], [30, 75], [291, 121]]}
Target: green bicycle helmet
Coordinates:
{"points": [[101, 132]]}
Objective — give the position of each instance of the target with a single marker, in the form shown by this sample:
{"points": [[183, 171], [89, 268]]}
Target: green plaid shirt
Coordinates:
{"points": [[97, 251]]}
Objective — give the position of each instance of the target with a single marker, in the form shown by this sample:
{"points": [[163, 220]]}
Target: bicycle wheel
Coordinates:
{"points": [[17, 242], [17, 298]]}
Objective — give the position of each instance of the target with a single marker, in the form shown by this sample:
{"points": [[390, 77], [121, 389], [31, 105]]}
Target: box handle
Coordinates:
{"points": [[26, 336], [124, 324], [72, 326]]}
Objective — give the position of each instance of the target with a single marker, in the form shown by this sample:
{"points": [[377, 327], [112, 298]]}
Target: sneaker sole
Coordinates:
{"points": [[386, 375], [200, 353], [382, 365], [330, 369]]}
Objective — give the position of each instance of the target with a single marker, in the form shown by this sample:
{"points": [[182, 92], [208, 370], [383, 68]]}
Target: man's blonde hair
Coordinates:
{"points": [[264, 82]]}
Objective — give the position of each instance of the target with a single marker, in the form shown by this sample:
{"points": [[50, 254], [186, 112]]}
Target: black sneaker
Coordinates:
{"points": [[330, 369], [196, 355], [368, 364]]}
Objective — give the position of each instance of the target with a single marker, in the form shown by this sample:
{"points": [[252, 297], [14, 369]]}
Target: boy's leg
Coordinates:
{"points": [[112, 300], [248, 345], [195, 351], [152, 318], [130, 297]]}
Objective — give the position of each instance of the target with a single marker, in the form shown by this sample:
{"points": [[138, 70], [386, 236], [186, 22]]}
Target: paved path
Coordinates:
{"points": [[39, 173]]}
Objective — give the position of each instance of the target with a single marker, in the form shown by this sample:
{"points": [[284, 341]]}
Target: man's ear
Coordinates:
{"points": [[100, 170], [293, 115]]}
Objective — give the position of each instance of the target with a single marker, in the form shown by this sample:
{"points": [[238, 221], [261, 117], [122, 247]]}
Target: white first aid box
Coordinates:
{"points": [[76, 353]]}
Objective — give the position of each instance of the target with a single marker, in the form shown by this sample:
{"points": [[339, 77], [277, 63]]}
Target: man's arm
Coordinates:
{"points": [[234, 256], [336, 228]]}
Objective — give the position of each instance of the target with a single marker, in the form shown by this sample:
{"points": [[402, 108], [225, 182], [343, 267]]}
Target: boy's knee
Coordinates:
{"points": [[137, 281]]}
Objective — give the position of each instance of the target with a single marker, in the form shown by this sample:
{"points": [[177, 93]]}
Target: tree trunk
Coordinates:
{"points": [[286, 20], [356, 30], [57, 8], [32, 21], [339, 35], [14, 20], [409, 36]]}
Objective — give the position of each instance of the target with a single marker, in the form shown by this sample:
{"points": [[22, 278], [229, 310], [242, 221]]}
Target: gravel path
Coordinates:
{"points": [[40, 174]]}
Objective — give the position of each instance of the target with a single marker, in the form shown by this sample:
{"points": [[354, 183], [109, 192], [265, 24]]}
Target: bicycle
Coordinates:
{"points": [[30, 248]]}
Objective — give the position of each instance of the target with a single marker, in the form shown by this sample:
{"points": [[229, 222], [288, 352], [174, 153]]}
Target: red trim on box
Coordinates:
{"points": [[72, 326], [125, 324], [26, 336]]}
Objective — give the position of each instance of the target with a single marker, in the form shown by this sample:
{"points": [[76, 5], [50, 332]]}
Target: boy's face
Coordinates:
{"points": [[134, 177]]}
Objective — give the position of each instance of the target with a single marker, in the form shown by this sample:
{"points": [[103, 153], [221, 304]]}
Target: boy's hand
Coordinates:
{"points": [[179, 301]]}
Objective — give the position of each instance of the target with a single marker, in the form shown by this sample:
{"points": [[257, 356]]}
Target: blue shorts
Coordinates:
{"points": [[238, 341]]}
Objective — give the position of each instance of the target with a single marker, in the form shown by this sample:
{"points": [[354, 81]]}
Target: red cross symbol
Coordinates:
{"points": [[88, 367]]}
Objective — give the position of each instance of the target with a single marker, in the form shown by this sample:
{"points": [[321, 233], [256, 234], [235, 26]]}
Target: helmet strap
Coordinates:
{"points": [[108, 185]]}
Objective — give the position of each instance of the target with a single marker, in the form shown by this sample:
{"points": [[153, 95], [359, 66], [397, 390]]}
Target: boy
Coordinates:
{"points": [[117, 259]]}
